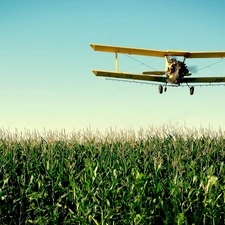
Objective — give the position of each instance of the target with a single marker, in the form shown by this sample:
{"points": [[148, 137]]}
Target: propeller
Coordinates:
{"points": [[174, 58], [193, 69]]}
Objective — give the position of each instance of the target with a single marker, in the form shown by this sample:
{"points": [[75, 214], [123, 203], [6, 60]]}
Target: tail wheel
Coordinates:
{"points": [[160, 89], [192, 90]]}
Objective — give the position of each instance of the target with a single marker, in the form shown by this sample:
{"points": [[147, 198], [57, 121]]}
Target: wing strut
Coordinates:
{"points": [[117, 63]]}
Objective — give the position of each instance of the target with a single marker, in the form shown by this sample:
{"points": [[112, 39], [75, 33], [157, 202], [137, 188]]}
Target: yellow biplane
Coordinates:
{"points": [[176, 71]]}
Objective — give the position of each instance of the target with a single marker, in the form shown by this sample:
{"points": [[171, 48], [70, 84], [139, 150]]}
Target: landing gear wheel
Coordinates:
{"points": [[160, 89], [165, 89], [192, 90]]}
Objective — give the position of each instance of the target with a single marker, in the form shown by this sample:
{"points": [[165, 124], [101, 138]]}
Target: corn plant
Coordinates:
{"points": [[148, 177]]}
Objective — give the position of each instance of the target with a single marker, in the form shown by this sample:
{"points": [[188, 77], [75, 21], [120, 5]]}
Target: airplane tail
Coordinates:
{"points": [[160, 73]]}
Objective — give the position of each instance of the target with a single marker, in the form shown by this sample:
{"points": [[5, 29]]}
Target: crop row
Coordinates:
{"points": [[117, 179]]}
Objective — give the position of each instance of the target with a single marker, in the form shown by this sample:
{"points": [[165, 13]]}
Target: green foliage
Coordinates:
{"points": [[120, 178]]}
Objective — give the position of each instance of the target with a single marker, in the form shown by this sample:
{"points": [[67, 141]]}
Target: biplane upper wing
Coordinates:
{"points": [[206, 55], [203, 80], [129, 76], [156, 53], [137, 51]]}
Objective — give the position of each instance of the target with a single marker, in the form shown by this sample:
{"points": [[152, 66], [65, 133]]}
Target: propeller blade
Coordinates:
{"points": [[193, 69], [174, 58]]}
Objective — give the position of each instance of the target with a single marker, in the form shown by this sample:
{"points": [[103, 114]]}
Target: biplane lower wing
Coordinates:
{"points": [[203, 80], [131, 76], [153, 78]]}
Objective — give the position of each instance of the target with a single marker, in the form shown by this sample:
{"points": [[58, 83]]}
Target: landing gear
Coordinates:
{"points": [[160, 89], [192, 90], [164, 88]]}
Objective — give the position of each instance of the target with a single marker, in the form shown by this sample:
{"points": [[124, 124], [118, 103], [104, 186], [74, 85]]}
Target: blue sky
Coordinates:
{"points": [[46, 63]]}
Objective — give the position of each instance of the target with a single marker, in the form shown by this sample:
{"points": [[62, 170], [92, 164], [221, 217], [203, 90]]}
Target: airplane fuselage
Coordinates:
{"points": [[175, 70]]}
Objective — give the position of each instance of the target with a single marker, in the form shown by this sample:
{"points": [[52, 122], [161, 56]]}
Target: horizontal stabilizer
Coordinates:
{"points": [[155, 72]]}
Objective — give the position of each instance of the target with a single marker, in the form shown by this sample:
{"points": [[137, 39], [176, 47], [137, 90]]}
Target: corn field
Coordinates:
{"points": [[122, 177]]}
